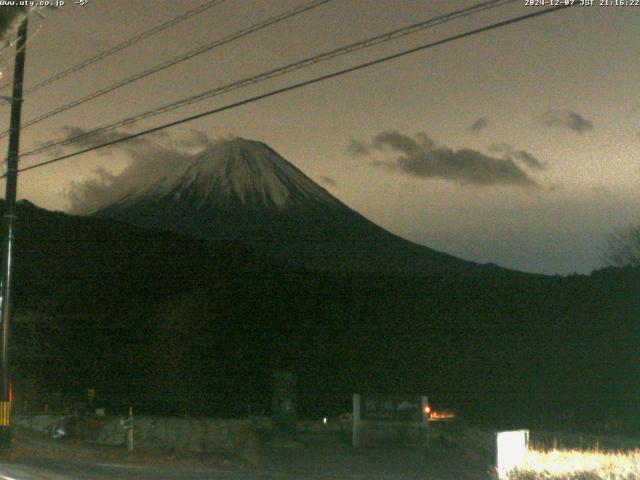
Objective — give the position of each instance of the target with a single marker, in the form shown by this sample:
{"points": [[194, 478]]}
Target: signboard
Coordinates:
{"points": [[511, 451], [389, 408], [395, 419]]}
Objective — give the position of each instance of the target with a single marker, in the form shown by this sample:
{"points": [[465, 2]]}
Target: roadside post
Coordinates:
{"points": [[356, 420], [127, 425], [284, 408], [425, 410]]}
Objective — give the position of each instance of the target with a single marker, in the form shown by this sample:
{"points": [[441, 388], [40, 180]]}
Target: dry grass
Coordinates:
{"points": [[579, 465]]}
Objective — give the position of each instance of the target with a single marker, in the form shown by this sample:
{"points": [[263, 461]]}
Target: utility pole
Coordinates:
{"points": [[9, 221]]}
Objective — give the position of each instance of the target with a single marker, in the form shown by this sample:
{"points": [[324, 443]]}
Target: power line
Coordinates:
{"points": [[370, 42], [121, 46], [305, 83], [174, 61]]}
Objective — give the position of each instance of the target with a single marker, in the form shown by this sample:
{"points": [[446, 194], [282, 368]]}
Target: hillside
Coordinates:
{"points": [[177, 325]]}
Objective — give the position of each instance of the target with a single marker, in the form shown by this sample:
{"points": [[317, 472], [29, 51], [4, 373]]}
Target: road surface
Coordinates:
{"points": [[39, 458], [289, 464], [65, 470]]}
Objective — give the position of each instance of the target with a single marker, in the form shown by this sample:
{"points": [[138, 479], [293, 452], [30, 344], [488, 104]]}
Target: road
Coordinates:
{"points": [[297, 468], [38, 458], [69, 471], [65, 470]]}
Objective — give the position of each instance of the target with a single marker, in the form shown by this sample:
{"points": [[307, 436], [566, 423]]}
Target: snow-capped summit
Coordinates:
{"points": [[243, 190], [237, 174], [248, 174]]}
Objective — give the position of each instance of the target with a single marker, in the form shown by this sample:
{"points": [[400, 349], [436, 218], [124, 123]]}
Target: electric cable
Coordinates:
{"points": [[121, 46], [305, 83], [367, 43], [174, 61]]}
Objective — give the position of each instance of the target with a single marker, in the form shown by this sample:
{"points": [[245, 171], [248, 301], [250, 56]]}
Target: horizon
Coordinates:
{"points": [[78, 206], [163, 171]]}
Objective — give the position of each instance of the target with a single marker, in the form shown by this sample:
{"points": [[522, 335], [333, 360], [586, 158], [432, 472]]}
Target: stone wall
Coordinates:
{"points": [[44, 423], [188, 434]]}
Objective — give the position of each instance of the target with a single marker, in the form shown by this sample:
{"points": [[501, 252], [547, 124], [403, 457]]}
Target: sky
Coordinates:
{"points": [[517, 146]]}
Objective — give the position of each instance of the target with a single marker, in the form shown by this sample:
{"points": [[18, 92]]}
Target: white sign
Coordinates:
{"points": [[511, 450]]}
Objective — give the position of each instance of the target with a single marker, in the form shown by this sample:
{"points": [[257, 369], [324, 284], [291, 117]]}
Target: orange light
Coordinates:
{"points": [[442, 415], [427, 409]]}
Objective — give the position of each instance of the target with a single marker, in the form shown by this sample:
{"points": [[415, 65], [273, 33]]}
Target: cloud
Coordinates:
{"points": [[328, 181], [357, 149], [521, 155], [151, 159], [479, 125], [567, 119], [421, 157]]}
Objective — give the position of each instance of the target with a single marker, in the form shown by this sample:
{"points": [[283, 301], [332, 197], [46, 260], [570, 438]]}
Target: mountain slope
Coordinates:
{"points": [[243, 190], [91, 284]]}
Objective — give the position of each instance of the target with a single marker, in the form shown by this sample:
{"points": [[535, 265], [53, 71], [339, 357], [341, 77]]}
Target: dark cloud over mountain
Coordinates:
{"points": [[521, 155], [420, 156], [150, 158]]}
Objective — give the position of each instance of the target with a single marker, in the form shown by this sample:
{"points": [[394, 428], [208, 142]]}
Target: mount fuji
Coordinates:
{"points": [[242, 190]]}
